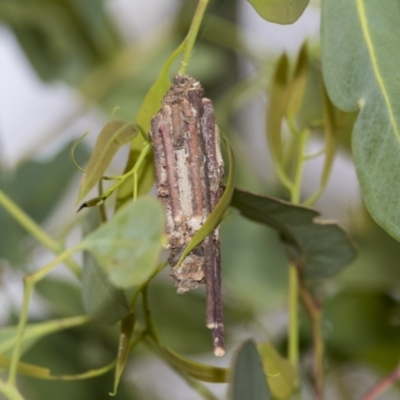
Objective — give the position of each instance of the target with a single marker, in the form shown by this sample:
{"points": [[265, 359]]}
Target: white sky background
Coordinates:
{"points": [[30, 110]]}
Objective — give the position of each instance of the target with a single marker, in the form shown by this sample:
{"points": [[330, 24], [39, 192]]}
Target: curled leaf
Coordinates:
{"points": [[126, 331], [281, 375], [202, 372], [321, 248], [148, 109], [114, 135]]}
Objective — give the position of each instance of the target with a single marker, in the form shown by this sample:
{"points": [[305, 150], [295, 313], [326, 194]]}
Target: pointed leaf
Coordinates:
{"points": [[322, 248], [148, 109], [101, 300], [128, 246], [281, 376], [280, 11], [127, 326], [202, 372], [114, 135], [248, 380], [360, 68]]}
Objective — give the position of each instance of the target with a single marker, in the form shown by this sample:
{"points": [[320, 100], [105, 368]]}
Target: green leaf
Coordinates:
{"points": [[281, 376], [151, 104], [114, 135], [360, 68], [127, 327], [280, 11], [222, 206], [128, 246], [202, 372], [101, 300], [36, 331], [321, 248], [248, 380]]}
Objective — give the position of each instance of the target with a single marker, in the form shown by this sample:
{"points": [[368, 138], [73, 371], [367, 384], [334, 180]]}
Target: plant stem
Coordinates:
{"points": [[293, 334], [293, 345], [11, 392], [383, 385], [192, 34], [315, 314], [36, 231], [29, 282]]}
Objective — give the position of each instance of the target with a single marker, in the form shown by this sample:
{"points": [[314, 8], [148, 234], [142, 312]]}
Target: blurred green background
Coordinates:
{"points": [[93, 50]]}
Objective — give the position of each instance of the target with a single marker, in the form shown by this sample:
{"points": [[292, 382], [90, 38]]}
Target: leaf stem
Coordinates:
{"points": [[293, 344], [36, 231], [29, 283], [314, 312], [382, 386], [192, 34], [11, 392], [293, 300]]}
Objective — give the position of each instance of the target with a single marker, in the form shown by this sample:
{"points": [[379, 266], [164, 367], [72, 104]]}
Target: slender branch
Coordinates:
{"points": [[293, 344], [29, 283], [315, 314], [383, 385], [192, 34], [36, 231]]}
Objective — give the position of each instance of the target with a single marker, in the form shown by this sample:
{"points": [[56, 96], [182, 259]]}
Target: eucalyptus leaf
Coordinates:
{"points": [[101, 300], [128, 246], [114, 135], [149, 107], [281, 375], [202, 372], [248, 380], [360, 69], [280, 11], [321, 248], [126, 331]]}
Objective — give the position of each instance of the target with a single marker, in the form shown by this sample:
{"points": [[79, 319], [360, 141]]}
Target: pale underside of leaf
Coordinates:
{"points": [[128, 246]]}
